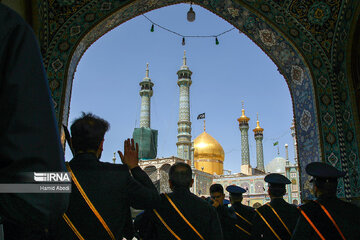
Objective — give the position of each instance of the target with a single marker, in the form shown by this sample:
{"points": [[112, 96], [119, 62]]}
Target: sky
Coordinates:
{"points": [[107, 78]]}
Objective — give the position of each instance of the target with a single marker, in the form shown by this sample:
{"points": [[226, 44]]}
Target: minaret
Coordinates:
{"points": [[292, 128], [144, 136], [146, 93], [287, 154], [184, 125], [258, 134], [245, 155]]}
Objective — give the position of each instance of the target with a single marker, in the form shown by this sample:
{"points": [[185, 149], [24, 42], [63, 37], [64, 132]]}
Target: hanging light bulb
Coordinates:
{"points": [[152, 28], [191, 14], [183, 41], [216, 41]]}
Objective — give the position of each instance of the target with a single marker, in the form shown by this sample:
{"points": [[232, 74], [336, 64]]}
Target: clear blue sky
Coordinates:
{"points": [[107, 78]]}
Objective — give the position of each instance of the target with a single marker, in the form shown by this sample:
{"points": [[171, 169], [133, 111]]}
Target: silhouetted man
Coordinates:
{"points": [[277, 219], [243, 213], [29, 137], [103, 192], [181, 214], [328, 217]]}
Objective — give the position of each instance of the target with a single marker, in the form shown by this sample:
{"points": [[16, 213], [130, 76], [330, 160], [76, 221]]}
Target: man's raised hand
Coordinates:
{"points": [[131, 153]]}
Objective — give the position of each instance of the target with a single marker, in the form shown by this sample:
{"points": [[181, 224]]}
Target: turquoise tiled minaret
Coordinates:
{"points": [[184, 125], [146, 93], [144, 135], [245, 155], [258, 134]]}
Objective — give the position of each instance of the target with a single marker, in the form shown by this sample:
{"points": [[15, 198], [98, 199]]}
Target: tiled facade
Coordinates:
{"points": [[311, 51]]}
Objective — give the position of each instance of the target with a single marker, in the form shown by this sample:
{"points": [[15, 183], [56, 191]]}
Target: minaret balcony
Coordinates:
{"points": [[184, 134], [184, 71], [184, 129], [188, 143], [184, 122], [146, 92], [184, 82], [243, 125]]}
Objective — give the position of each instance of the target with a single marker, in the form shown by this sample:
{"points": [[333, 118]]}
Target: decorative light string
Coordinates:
{"points": [[186, 36]]}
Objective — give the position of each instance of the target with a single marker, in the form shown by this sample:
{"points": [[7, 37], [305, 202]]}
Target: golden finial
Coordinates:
{"points": [[204, 126], [243, 118], [258, 128]]}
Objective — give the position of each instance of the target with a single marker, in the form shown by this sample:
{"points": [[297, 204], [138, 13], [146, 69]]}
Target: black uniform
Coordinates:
{"points": [[228, 221], [331, 217], [197, 211], [277, 219], [112, 191], [29, 138], [287, 212], [346, 216], [247, 213]]}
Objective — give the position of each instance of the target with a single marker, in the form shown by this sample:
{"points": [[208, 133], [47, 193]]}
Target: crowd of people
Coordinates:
{"points": [[102, 193]]}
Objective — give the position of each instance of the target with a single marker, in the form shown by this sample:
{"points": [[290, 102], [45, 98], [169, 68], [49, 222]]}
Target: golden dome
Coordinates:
{"points": [[258, 128], [243, 118], [206, 147]]}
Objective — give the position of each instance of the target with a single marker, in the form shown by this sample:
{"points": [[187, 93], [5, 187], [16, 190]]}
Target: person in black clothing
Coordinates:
{"points": [[277, 219], [198, 220], [327, 216], [226, 215], [243, 213], [109, 187], [29, 136]]}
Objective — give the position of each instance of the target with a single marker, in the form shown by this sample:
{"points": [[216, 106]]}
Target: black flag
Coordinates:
{"points": [[201, 116]]}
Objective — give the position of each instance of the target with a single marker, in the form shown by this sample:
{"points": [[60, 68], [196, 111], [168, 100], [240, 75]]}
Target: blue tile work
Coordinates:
{"points": [[307, 40]]}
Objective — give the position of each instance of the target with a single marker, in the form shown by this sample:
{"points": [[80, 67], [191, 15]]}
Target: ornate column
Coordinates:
{"points": [[245, 156], [258, 134], [146, 93], [184, 125], [144, 135]]}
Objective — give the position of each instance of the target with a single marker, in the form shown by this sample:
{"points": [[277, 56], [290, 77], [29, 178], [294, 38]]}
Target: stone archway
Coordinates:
{"points": [[151, 171], [164, 178], [304, 61], [256, 205]]}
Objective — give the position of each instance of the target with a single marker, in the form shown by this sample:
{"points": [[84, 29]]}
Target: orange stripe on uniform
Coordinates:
{"points": [[287, 229], [332, 220], [243, 218], [273, 231], [183, 217], [311, 224], [242, 229], [71, 225], [97, 214], [167, 226]]}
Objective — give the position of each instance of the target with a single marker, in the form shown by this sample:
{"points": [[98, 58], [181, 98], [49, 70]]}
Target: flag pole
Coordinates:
{"points": [[204, 126]]}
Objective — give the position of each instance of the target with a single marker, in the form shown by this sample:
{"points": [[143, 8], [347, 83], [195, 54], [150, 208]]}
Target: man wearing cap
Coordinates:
{"points": [[277, 219], [243, 213], [327, 217]]}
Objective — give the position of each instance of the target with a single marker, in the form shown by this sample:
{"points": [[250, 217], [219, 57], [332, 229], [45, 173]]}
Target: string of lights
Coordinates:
{"points": [[186, 36]]}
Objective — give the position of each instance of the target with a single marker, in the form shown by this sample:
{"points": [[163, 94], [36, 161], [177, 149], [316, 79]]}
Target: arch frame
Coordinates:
{"points": [[312, 81]]}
